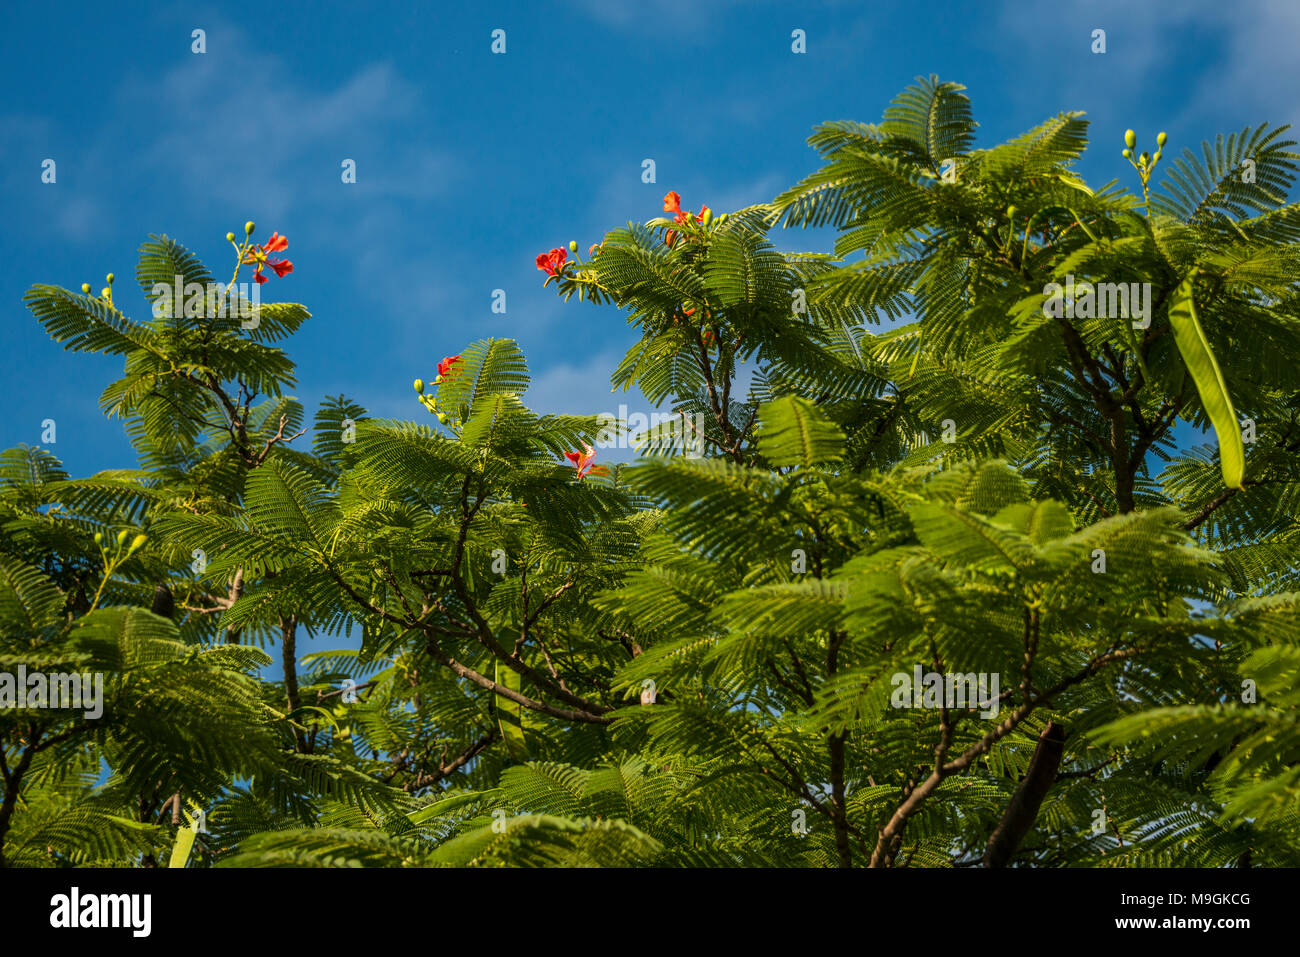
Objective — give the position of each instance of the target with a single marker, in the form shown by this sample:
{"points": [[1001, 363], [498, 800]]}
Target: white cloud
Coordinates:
{"points": [[1253, 78], [580, 389]]}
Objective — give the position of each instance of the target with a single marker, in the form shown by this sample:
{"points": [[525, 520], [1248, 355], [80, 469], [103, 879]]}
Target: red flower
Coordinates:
{"points": [[673, 204], [258, 255], [551, 262], [582, 460], [670, 238], [444, 366]]}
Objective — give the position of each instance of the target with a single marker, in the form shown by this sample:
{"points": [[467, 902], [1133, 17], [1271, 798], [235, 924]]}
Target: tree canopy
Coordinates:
{"points": [[923, 571]]}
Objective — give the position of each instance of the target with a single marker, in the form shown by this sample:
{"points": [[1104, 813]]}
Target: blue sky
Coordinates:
{"points": [[470, 163]]}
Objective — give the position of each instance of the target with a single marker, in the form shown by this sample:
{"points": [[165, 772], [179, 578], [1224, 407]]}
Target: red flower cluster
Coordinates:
{"points": [[258, 255], [582, 460], [551, 263], [445, 365], [673, 204]]}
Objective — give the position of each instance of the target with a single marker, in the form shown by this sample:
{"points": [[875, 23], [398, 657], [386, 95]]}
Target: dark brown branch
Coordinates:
{"points": [[1025, 803]]}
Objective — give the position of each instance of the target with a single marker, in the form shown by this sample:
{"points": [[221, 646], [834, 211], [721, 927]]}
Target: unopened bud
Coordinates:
{"points": [[137, 543], [230, 237], [1161, 138], [573, 245], [419, 386], [1130, 139], [121, 537], [85, 287], [99, 538], [106, 292], [109, 277], [248, 228]]}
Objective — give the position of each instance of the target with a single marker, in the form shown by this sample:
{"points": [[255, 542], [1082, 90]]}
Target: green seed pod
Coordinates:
{"points": [[1130, 139], [419, 386], [1161, 139], [248, 228], [85, 287], [573, 245], [121, 537], [230, 237]]}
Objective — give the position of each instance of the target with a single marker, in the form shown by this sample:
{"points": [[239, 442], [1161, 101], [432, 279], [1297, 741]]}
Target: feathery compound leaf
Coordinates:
{"points": [[793, 431], [935, 116], [510, 716], [489, 365]]}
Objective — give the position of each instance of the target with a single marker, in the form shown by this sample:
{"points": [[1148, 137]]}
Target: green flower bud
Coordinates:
{"points": [[1161, 138], [419, 386], [707, 217], [99, 538], [137, 543], [248, 228], [1130, 139], [230, 237], [1128, 154], [1011, 212], [573, 245], [1158, 155], [106, 292], [1144, 159], [121, 537], [442, 417], [109, 277], [85, 287]]}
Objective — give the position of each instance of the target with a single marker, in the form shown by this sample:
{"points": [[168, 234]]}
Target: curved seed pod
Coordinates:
{"points": [[1209, 382]]}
